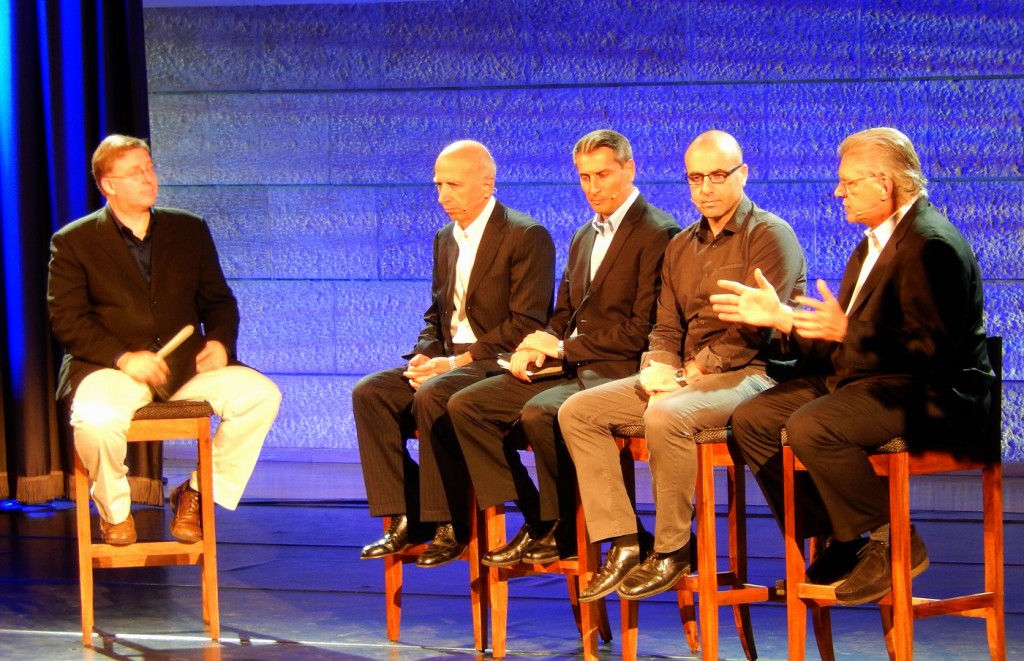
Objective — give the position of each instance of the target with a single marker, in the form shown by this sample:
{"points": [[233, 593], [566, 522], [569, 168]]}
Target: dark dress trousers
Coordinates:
{"points": [[913, 364], [509, 294], [613, 316]]}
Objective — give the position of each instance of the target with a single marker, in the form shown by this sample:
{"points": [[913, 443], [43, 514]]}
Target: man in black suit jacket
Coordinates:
{"points": [[603, 314], [492, 284], [900, 353], [123, 281]]}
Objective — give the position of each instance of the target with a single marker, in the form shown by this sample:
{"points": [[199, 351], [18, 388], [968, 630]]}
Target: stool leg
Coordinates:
{"points": [[392, 591], [737, 507], [899, 551], [478, 587], [992, 485], [84, 530], [497, 579], [211, 593], [707, 553], [688, 615], [796, 611]]}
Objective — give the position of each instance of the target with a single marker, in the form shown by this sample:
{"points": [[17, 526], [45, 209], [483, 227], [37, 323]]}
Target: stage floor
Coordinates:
{"points": [[292, 587]]}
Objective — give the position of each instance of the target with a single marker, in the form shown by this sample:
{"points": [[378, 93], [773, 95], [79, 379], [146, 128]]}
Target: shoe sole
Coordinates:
{"points": [[914, 573], [401, 550], [600, 595], [499, 565], [650, 593], [439, 564]]}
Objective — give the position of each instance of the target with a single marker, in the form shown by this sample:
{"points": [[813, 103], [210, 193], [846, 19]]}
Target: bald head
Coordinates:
{"points": [[474, 154], [715, 155], [717, 141], [464, 177]]}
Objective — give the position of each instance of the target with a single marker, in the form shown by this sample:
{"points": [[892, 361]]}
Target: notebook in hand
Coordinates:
{"points": [[551, 367]]}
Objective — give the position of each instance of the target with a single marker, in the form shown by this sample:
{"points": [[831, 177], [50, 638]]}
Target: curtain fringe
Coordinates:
{"points": [[147, 490], [41, 488]]}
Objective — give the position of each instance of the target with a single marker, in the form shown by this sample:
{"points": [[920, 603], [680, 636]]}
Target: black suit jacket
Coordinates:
{"points": [[510, 288], [101, 306], [614, 314], [918, 317]]}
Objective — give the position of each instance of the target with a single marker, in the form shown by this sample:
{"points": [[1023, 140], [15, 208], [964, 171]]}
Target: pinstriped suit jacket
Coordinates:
{"points": [[510, 288]]}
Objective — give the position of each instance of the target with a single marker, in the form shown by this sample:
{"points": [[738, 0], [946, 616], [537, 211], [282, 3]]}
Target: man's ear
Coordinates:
{"points": [[106, 187]]}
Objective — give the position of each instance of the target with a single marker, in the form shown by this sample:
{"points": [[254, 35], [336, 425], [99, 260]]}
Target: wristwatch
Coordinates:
{"points": [[680, 376], [561, 349]]}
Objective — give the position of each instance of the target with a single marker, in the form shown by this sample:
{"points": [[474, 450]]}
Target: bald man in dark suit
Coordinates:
{"points": [[493, 283]]}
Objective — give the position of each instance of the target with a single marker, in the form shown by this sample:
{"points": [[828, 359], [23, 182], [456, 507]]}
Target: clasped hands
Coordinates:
{"points": [[149, 368], [760, 306]]}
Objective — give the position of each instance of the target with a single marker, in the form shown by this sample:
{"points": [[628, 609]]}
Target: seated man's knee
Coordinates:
{"points": [[460, 406], [539, 417], [368, 388], [571, 414], [805, 430]]}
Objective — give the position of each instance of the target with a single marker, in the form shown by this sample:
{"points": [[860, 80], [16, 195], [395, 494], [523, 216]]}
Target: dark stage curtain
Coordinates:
{"points": [[71, 73]]}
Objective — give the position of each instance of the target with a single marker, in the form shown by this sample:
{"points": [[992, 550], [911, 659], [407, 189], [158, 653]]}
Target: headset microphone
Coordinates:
{"points": [[465, 209], [860, 213], [622, 190]]}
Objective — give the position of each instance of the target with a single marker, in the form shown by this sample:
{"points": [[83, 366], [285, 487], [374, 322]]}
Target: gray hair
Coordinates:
{"points": [[896, 156]]}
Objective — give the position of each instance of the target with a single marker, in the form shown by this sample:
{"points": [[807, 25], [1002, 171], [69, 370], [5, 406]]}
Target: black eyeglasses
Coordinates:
{"points": [[717, 177]]}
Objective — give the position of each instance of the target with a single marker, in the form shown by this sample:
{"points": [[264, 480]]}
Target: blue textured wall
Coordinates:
{"points": [[306, 135]]}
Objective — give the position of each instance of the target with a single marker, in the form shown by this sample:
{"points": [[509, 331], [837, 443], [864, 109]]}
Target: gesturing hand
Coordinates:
{"points": [[757, 306], [825, 320]]}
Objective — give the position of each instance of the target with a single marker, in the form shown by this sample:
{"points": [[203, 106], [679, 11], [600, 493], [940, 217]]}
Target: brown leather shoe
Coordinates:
{"points": [[186, 524], [118, 534]]}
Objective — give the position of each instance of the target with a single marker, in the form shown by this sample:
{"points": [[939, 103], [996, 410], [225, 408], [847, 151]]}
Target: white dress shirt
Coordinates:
{"points": [[468, 241], [877, 238]]}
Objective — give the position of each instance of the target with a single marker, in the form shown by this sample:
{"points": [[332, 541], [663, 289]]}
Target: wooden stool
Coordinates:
{"points": [[900, 608], [591, 618], [393, 579], [714, 588], [158, 421]]}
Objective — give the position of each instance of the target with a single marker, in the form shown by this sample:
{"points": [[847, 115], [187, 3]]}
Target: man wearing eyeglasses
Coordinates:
{"points": [[695, 372], [123, 282], [900, 352]]}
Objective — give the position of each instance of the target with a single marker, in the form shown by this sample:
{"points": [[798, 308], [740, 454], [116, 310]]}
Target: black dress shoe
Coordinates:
{"points": [[871, 579], [400, 535], [558, 544], [511, 553], [618, 562], [658, 573], [836, 561], [445, 548]]}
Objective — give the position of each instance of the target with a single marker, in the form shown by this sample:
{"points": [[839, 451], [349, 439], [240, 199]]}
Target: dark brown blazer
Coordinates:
{"points": [[615, 312], [510, 289], [101, 306]]}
